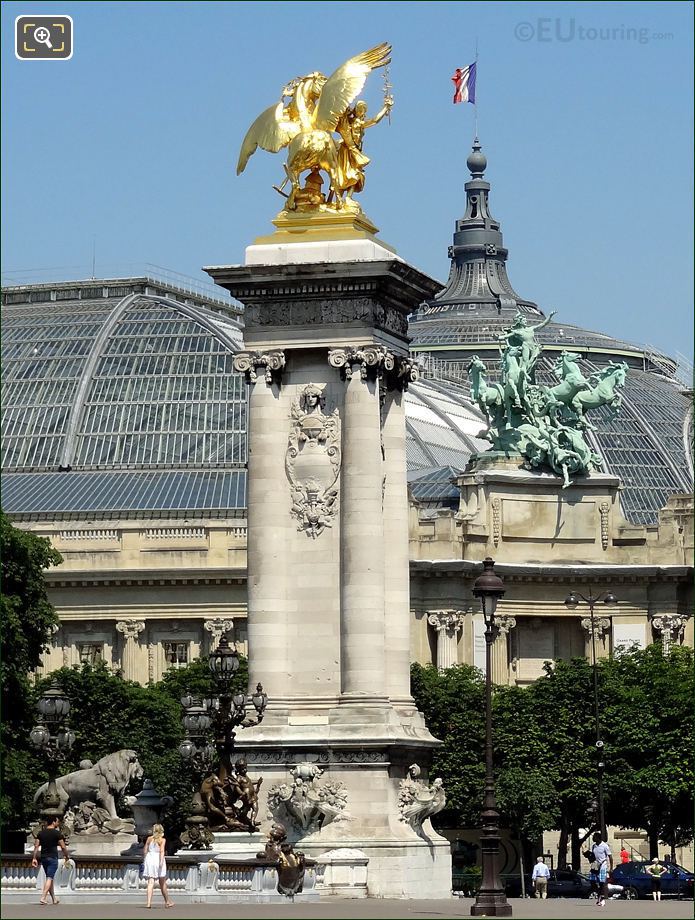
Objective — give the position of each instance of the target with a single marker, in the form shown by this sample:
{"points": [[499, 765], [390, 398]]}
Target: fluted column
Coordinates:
{"points": [[268, 519], [500, 650], [362, 628], [448, 624], [396, 548], [217, 627], [130, 630]]}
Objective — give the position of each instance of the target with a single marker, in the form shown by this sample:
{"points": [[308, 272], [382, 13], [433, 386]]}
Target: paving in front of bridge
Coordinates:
{"points": [[366, 909]]}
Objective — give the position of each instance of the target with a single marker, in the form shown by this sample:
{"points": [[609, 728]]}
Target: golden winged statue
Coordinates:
{"points": [[311, 110]]}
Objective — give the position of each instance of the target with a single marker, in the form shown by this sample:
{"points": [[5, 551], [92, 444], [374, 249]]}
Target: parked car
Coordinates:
{"points": [[563, 883], [633, 876]]}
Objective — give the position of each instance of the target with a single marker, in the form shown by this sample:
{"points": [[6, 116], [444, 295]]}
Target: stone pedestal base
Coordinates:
{"points": [[101, 844], [419, 868], [238, 844]]}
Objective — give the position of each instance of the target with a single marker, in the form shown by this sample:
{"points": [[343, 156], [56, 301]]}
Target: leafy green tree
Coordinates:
{"points": [[647, 714], [527, 776], [27, 619], [452, 702]]}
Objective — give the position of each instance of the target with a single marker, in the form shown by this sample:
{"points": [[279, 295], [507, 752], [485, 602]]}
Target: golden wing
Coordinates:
{"points": [[272, 131], [344, 85]]}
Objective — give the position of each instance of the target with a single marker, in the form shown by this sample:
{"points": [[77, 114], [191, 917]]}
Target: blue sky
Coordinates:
{"points": [[588, 136]]}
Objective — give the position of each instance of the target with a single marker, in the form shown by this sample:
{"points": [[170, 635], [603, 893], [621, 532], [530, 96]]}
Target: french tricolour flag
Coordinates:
{"points": [[464, 83]]}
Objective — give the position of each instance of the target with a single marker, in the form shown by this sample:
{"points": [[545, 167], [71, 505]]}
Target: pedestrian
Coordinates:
{"points": [[593, 879], [155, 866], [604, 862], [539, 878], [624, 855], [48, 840], [656, 870]]}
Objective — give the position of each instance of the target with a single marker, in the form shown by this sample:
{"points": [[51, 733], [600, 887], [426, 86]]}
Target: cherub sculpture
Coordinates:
{"points": [[310, 111]]}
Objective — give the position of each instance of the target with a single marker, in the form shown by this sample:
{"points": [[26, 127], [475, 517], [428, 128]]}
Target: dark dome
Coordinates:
{"points": [[647, 444]]}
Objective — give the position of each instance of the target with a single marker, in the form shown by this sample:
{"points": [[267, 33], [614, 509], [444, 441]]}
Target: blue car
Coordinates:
{"points": [[637, 883]]}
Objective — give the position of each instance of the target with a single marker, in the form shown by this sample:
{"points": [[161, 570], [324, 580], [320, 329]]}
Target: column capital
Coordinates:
{"points": [[272, 364], [218, 625], [673, 622], [130, 629], [367, 360], [601, 626], [670, 625], [449, 620], [505, 624], [375, 361]]}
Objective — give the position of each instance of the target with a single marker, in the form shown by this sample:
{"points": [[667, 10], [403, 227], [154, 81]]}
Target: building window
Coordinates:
{"points": [[176, 654], [90, 652]]}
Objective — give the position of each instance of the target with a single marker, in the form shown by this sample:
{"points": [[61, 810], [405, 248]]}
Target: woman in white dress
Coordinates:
{"points": [[155, 866]]}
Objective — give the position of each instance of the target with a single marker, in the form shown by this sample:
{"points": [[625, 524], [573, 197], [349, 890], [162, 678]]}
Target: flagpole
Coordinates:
{"points": [[475, 104]]}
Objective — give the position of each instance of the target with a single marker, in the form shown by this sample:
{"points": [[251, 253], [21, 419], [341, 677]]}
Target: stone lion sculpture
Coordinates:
{"points": [[101, 783]]}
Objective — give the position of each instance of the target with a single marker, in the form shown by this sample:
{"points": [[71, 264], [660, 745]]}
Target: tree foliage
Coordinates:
{"points": [[27, 620], [647, 708], [546, 760], [453, 705]]}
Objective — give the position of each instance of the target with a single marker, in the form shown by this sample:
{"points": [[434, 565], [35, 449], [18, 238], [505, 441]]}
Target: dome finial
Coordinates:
{"points": [[477, 161]]}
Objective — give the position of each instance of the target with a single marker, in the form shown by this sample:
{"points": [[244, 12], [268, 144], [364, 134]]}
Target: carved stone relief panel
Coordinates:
{"points": [[312, 461]]}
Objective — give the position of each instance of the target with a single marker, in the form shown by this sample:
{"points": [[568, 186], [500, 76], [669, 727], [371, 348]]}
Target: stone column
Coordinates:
{"points": [[671, 626], [447, 623], [268, 516], [362, 628], [396, 547], [601, 627], [500, 650], [217, 627], [130, 630]]}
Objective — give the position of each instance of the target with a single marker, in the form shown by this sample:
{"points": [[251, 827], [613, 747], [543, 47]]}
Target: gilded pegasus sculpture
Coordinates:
{"points": [[311, 110]]}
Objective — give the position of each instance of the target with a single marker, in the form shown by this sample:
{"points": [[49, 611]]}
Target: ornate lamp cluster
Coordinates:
{"points": [[53, 738], [219, 715]]}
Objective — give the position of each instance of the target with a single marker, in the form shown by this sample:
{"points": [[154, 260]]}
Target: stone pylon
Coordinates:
{"points": [[327, 365]]}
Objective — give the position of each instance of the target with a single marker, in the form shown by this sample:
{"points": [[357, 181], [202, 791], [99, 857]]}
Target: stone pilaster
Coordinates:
{"points": [[500, 650], [362, 627], [448, 624], [601, 627], [670, 626], [396, 549], [130, 630], [268, 521]]}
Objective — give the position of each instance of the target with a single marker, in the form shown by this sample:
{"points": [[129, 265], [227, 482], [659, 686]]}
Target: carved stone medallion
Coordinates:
{"points": [[312, 461]]}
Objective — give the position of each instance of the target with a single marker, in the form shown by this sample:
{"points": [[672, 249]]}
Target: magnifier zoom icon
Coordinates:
{"points": [[43, 36]]}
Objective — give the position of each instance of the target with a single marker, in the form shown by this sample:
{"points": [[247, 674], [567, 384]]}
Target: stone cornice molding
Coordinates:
{"points": [[561, 574], [271, 363]]}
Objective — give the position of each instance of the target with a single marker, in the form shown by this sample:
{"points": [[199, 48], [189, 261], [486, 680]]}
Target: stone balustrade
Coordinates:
{"points": [[88, 879]]}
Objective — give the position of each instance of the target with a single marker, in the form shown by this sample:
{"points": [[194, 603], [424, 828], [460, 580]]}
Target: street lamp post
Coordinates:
{"points": [[491, 900], [572, 601], [53, 738], [222, 713]]}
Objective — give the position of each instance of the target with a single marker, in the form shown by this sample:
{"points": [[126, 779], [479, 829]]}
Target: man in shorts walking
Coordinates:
{"points": [[48, 840], [604, 863]]}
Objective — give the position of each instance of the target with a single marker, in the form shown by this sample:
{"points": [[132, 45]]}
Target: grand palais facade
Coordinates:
{"points": [[124, 442]]}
